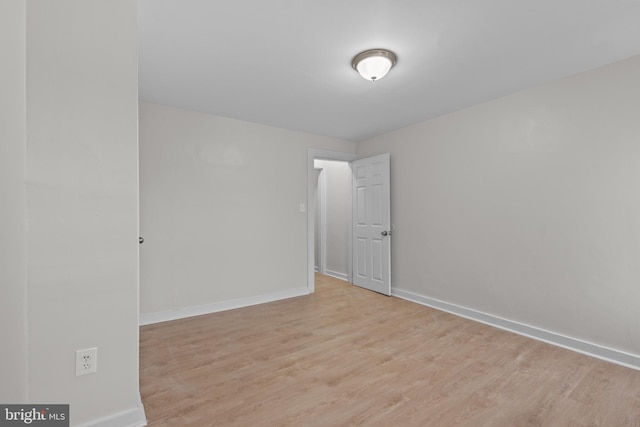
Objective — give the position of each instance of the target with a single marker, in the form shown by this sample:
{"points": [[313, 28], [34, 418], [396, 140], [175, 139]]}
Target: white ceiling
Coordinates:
{"points": [[287, 63]]}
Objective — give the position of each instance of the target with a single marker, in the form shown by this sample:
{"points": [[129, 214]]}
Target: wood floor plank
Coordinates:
{"points": [[347, 356]]}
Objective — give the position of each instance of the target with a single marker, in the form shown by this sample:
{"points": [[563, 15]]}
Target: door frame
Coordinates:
{"points": [[312, 155]]}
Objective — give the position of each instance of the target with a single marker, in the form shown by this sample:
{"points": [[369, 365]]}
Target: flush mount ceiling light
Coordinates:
{"points": [[374, 64]]}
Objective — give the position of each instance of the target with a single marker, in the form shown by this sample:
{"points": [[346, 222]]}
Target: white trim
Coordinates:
{"points": [[590, 349], [182, 313], [341, 276], [134, 417], [313, 154]]}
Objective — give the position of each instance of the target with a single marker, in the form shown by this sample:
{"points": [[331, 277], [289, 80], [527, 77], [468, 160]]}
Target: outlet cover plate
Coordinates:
{"points": [[86, 361]]}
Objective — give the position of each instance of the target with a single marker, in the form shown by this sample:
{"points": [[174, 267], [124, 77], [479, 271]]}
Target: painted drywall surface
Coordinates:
{"points": [[13, 320], [82, 203], [337, 180], [527, 207], [220, 208]]}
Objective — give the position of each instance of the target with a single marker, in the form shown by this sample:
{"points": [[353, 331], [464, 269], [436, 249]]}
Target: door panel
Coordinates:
{"points": [[361, 210], [361, 258], [372, 223]]}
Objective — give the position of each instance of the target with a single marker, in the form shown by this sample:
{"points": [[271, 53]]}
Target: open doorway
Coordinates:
{"points": [[332, 214], [312, 182]]}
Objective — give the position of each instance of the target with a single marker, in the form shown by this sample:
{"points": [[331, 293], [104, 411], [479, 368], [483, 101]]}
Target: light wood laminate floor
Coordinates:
{"points": [[345, 356]]}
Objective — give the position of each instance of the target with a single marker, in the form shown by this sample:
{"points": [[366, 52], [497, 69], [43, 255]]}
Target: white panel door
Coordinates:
{"points": [[372, 224]]}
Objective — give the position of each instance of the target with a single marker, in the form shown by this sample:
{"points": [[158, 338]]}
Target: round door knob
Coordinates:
{"points": [[384, 233], [141, 240]]}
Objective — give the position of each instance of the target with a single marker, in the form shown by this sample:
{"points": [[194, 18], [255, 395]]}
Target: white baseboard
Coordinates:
{"points": [[181, 313], [134, 417], [595, 350], [337, 275]]}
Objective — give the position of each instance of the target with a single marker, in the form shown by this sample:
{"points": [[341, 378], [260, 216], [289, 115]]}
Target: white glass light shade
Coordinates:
{"points": [[374, 67], [374, 64]]}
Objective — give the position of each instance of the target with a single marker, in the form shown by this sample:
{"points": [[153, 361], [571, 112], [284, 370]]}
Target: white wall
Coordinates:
{"points": [[337, 189], [81, 177], [13, 321], [219, 208], [527, 207]]}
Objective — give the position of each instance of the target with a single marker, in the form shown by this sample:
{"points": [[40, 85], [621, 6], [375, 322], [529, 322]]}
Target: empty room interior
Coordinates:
{"points": [[321, 213]]}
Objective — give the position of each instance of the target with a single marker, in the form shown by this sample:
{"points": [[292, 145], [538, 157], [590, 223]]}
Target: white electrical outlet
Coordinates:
{"points": [[86, 361]]}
